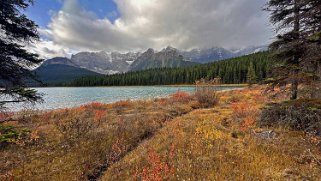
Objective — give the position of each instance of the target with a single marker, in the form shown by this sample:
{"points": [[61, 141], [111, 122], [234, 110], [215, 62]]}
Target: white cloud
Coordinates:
{"points": [[157, 23], [48, 49]]}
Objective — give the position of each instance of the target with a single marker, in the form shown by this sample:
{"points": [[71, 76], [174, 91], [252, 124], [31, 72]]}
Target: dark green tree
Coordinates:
{"points": [[311, 21], [288, 47], [16, 30], [312, 24], [251, 76]]}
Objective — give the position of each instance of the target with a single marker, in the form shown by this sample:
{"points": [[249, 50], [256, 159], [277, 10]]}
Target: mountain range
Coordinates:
{"points": [[95, 63]]}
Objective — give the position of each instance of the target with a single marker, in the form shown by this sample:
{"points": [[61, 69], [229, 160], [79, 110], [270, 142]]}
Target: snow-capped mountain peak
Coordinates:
{"points": [[115, 62]]}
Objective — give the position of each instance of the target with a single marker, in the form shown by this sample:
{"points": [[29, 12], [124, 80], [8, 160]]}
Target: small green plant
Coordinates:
{"points": [[10, 134]]}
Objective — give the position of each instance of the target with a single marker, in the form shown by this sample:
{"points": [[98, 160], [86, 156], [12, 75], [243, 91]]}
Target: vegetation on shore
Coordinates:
{"points": [[180, 137]]}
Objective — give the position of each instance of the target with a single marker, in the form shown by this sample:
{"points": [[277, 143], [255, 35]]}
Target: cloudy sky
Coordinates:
{"points": [[70, 26]]}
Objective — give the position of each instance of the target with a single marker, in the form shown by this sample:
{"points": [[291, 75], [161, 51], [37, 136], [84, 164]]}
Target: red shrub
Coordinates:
{"points": [[241, 110], [180, 95], [247, 123], [123, 103], [94, 105], [261, 99], [4, 115], [117, 150], [157, 169], [99, 114], [163, 102]]}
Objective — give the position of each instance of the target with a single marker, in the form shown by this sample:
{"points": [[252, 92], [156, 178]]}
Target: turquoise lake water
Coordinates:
{"points": [[63, 97]]}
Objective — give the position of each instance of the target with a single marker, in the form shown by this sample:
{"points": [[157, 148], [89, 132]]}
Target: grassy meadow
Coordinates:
{"points": [[204, 136]]}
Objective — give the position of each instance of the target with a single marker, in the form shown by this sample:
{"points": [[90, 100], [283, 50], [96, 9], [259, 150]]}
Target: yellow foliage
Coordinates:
{"points": [[210, 134]]}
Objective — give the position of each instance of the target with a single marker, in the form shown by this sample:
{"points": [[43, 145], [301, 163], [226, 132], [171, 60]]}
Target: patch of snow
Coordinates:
{"points": [[130, 62], [111, 72], [257, 50], [110, 58]]}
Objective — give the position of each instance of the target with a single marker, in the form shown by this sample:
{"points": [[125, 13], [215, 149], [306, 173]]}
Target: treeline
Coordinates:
{"points": [[231, 71]]}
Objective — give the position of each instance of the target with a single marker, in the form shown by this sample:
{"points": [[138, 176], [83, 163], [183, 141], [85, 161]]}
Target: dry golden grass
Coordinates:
{"points": [[164, 139], [218, 144], [80, 143]]}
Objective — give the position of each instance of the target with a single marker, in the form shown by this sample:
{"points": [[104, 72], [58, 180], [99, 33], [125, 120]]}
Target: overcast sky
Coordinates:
{"points": [[70, 26]]}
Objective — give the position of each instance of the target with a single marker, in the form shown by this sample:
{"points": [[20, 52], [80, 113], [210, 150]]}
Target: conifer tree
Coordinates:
{"points": [[16, 30], [297, 48], [288, 46], [311, 20], [251, 76]]}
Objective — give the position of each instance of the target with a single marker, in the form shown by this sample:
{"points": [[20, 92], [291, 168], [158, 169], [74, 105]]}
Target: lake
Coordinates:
{"points": [[64, 97]]}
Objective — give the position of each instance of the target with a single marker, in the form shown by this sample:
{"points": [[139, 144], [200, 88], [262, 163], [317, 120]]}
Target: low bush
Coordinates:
{"points": [[243, 110], [156, 169], [180, 97], [180, 94], [75, 129], [302, 114], [207, 98]]}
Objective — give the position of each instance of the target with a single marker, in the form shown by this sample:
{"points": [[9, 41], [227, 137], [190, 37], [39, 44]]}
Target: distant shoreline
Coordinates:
{"points": [[174, 85]]}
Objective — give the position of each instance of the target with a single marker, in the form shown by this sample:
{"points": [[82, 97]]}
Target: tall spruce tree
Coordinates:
{"points": [[311, 20], [251, 76], [16, 30], [289, 46]]}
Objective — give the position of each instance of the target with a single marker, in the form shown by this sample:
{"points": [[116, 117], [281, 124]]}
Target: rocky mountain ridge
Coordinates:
{"points": [[115, 62]]}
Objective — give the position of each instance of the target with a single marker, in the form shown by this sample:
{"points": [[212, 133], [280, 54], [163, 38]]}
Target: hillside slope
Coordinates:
{"points": [[57, 73]]}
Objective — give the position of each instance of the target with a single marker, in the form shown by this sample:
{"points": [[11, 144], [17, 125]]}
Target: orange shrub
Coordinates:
{"points": [[123, 103], [241, 110], [163, 102], [99, 115], [4, 115], [82, 108], [180, 95], [47, 115], [117, 150], [260, 98], [247, 123], [157, 170], [94, 105], [34, 135]]}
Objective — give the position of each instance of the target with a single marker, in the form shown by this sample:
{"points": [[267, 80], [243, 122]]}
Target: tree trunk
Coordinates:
{"points": [[294, 89], [296, 28]]}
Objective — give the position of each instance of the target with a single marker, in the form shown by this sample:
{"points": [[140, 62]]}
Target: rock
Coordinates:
{"points": [[265, 135]]}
